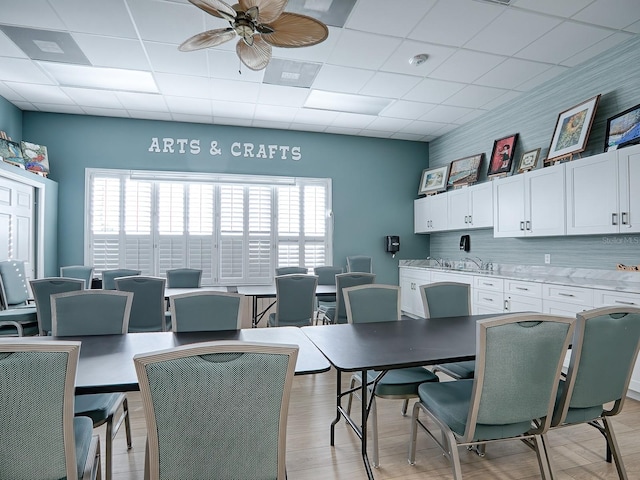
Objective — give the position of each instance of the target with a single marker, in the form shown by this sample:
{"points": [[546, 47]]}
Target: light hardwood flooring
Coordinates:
{"points": [[577, 453]]}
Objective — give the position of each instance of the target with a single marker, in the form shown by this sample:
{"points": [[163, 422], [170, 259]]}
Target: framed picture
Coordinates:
{"points": [[528, 161], [502, 155], [11, 153], [434, 180], [464, 171], [35, 157], [572, 129], [623, 129]]}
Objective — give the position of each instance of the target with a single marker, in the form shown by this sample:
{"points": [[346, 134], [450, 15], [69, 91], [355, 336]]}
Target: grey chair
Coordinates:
{"points": [[359, 263], [184, 278], [326, 276], [518, 362], [109, 276], [295, 300], [338, 314], [148, 311], [96, 312], [290, 270], [18, 317], [448, 299], [603, 356], [42, 439], [42, 289], [178, 385], [381, 303], [203, 311], [81, 272]]}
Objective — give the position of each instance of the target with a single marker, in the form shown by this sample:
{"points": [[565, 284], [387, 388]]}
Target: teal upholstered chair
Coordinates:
{"points": [[42, 289], [96, 312], [148, 312], [18, 317], [326, 276], [109, 276], [381, 303], [603, 355], [295, 300], [338, 314], [518, 363], [81, 272], [178, 385], [42, 439], [448, 299], [184, 278], [203, 311], [290, 270], [359, 263]]}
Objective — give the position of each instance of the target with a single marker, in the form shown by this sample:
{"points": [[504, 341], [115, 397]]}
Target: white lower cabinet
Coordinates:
{"points": [[487, 295], [410, 299]]}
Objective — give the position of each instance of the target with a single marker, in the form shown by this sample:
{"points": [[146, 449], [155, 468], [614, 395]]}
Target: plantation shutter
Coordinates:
{"points": [[138, 239], [104, 215], [231, 252], [200, 230], [172, 242], [289, 226], [315, 225]]}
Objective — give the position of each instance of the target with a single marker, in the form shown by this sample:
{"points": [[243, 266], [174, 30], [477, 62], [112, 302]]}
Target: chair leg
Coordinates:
{"points": [[454, 455], [539, 444], [127, 423], [405, 405], [612, 444], [414, 433], [374, 431], [108, 448]]}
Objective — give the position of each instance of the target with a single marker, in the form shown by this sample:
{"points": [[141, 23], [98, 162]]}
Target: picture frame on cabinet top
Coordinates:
{"points": [[528, 161], [464, 171], [433, 180], [502, 155], [623, 129], [572, 129]]}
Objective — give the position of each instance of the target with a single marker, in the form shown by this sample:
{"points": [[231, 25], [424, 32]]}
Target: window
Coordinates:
{"points": [[237, 229]]}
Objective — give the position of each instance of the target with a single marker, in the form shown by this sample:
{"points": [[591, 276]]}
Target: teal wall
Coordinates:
{"points": [[374, 181], [616, 76], [10, 119]]}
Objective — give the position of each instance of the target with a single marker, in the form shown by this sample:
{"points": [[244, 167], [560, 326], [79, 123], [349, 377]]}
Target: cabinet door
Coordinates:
{"points": [[481, 206], [628, 181], [592, 195], [458, 209], [508, 207], [545, 202], [421, 215], [438, 207], [521, 303]]}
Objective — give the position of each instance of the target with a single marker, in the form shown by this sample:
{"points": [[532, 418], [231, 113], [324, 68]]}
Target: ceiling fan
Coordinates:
{"points": [[261, 24]]}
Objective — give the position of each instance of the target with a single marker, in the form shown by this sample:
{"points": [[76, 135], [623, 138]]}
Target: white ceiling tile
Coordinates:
{"points": [[399, 60], [540, 79], [49, 107], [225, 64], [10, 94], [166, 58], [32, 14], [466, 66], [307, 127], [274, 113], [238, 122], [146, 115], [474, 96], [352, 120], [446, 128], [341, 79], [600, 47], [183, 86], [156, 20], [511, 73], [564, 8], [445, 25], [113, 52], [9, 49], [26, 106], [611, 13], [270, 124], [363, 50], [312, 116], [445, 113], [314, 53], [283, 96], [181, 117], [433, 91], [86, 97], [23, 70], [507, 97], [391, 85], [423, 128], [388, 123], [96, 16], [470, 116], [196, 106], [106, 112], [400, 20], [374, 133], [407, 136], [411, 110], [40, 93], [142, 101], [343, 130], [221, 108], [224, 89], [634, 28]]}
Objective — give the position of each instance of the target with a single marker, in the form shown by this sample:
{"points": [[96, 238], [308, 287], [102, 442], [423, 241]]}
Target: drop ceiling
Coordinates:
{"points": [[481, 54]]}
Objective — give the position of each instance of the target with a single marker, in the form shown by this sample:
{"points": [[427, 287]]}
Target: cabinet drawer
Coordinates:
{"points": [[451, 277], [611, 298], [489, 298], [554, 307], [488, 283], [528, 289], [565, 294]]}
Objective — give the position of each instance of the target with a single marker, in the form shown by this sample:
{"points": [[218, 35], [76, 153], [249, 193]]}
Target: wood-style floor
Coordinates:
{"points": [[577, 453]]}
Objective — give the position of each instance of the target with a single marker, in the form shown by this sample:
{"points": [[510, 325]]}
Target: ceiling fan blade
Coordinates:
{"points": [[217, 8], [294, 30], [268, 10], [207, 39], [256, 56]]}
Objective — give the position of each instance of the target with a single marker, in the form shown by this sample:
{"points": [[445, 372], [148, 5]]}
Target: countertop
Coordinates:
{"points": [[620, 281]]}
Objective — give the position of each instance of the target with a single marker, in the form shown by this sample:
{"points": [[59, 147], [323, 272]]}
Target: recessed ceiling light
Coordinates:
{"points": [[418, 59], [343, 102]]}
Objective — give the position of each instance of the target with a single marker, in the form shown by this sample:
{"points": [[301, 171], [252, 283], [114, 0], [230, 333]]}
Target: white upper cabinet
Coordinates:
{"points": [[430, 214], [470, 207], [629, 191], [530, 204]]}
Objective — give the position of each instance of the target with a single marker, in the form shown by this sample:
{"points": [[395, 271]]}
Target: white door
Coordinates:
{"points": [[458, 209], [481, 205], [545, 202], [508, 207], [17, 223], [629, 172]]}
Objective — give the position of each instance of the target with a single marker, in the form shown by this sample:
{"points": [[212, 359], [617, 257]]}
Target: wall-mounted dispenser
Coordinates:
{"points": [[392, 244], [465, 243]]}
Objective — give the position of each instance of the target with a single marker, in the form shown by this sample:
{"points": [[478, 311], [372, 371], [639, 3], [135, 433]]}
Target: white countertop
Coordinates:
{"points": [[615, 280]]}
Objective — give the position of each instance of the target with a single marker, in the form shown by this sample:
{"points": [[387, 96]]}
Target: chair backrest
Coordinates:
{"points": [[290, 270], [327, 275], [184, 278], [178, 385], [42, 289], [518, 364], [90, 312], [203, 311], [346, 280], [446, 299], [372, 303], [109, 276], [603, 355], [295, 299], [148, 309], [37, 433], [14, 283], [81, 272], [359, 263]]}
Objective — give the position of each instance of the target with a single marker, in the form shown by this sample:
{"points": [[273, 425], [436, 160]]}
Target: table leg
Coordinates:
{"points": [[254, 312], [338, 406], [365, 408]]}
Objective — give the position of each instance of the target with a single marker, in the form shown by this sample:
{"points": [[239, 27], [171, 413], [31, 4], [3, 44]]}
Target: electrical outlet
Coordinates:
{"points": [[547, 258]]}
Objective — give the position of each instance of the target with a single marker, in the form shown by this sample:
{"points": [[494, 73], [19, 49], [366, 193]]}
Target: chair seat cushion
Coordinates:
{"points": [[21, 315], [98, 407], [459, 370], [402, 381], [578, 415], [450, 401], [83, 431]]}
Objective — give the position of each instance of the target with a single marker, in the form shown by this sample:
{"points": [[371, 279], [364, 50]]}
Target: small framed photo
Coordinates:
{"points": [[528, 161], [433, 180], [35, 157], [572, 129], [464, 171], [11, 152], [623, 129], [502, 155]]}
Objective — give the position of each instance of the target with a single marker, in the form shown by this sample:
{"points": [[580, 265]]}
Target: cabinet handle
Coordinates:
{"points": [[487, 284], [527, 225], [614, 219], [625, 303], [624, 217], [506, 305], [487, 299], [566, 294], [522, 288], [522, 226], [470, 219]]}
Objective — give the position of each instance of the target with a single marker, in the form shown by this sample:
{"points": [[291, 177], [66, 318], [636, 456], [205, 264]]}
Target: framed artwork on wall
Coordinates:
{"points": [[572, 129], [35, 157], [11, 153], [433, 180], [623, 129], [502, 155], [528, 161], [464, 171]]}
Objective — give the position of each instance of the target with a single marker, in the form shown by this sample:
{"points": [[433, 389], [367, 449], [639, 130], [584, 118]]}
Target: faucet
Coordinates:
{"points": [[475, 260], [438, 262]]}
